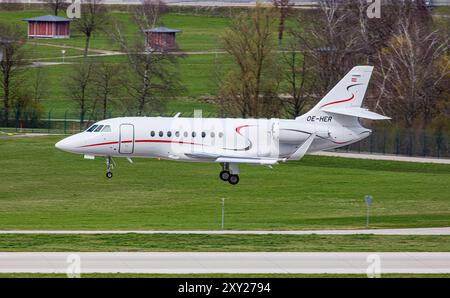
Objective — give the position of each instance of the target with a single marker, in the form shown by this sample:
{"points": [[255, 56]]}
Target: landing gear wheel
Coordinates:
{"points": [[234, 179], [224, 175], [109, 174]]}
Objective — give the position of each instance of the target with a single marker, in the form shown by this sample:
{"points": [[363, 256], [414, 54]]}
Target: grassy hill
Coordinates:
{"points": [[199, 34]]}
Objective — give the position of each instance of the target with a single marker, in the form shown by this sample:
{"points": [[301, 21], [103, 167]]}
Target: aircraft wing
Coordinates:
{"points": [[233, 159], [247, 160]]}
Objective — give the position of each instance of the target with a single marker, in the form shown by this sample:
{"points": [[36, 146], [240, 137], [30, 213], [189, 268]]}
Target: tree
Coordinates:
{"points": [[148, 14], [250, 88], [93, 18], [11, 52], [105, 79], [332, 40], [151, 74], [299, 84], [283, 7], [55, 5], [79, 87], [412, 74]]}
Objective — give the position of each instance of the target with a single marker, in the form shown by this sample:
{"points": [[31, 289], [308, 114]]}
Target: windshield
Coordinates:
{"points": [[91, 128]]}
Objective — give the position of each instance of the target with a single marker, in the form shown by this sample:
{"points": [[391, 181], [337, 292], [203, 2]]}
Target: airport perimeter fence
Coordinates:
{"points": [[401, 141], [383, 140]]}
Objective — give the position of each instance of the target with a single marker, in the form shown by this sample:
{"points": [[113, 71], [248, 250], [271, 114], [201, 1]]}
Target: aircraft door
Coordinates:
{"points": [[126, 139]]}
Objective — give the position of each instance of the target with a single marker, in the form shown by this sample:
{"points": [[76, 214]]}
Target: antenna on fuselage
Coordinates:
{"points": [[177, 115]]}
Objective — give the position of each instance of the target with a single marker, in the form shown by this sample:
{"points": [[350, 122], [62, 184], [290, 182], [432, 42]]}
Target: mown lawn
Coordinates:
{"points": [[199, 33], [196, 74], [43, 188], [223, 243]]}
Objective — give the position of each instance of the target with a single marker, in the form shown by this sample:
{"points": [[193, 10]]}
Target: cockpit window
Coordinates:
{"points": [[91, 128], [98, 128], [107, 128]]}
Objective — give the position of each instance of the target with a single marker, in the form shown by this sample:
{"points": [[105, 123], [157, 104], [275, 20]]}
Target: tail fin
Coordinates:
{"points": [[349, 92], [347, 96]]}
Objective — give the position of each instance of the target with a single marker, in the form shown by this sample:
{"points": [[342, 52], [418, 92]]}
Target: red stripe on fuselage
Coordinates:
{"points": [[100, 144]]}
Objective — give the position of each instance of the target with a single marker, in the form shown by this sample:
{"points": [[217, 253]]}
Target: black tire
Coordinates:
{"points": [[234, 179], [109, 175], [224, 175]]}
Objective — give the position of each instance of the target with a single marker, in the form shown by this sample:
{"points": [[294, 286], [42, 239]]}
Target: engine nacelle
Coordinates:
{"points": [[294, 132]]}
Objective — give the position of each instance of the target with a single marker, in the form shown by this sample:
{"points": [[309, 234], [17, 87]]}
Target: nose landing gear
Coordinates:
{"points": [[230, 173]]}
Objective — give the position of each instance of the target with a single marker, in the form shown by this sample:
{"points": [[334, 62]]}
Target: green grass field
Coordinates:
{"points": [[223, 243], [195, 74], [44, 188]]}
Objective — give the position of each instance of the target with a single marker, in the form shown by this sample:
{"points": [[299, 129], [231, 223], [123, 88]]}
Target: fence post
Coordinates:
{"points": [[424, 149], [65, 122], [410, 142], [397, 143], [81, 120], [17, 119], [48, 120], [371, 143], [439, 140]]}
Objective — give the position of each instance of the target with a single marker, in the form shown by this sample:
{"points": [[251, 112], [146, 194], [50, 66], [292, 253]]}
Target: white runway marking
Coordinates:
{"points": [[224, 262], [409, 231]]}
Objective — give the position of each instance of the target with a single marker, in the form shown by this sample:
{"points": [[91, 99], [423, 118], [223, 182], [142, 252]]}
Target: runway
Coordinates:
{"points": [[408, 231], [230, 262]]}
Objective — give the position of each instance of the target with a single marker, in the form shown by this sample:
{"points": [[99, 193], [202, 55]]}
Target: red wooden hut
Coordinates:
{"points": [[160, 38], [48, 27]]}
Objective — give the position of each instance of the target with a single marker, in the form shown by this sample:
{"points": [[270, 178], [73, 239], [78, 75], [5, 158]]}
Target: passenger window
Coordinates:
{"points": [[161, 133], [185, 134], [177, 134], [91, 128], [193, 134], [169, 134], [107, 128], [98, 128], [212, 134], [152, 133], [203, 134], [220, 134]]}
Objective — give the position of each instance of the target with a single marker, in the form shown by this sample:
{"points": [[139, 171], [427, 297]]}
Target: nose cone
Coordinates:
{"points": [[68, 144], [62, 145]]}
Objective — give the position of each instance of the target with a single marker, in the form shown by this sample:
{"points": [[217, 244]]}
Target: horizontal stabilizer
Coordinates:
{"points": [[356, 112]]}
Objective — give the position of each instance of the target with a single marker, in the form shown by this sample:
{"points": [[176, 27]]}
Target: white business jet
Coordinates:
{"points": [[332, 123]]}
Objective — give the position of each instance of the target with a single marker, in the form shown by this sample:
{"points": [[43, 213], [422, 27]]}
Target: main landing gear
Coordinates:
{"points": [[109, 166], [230, 173]]}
